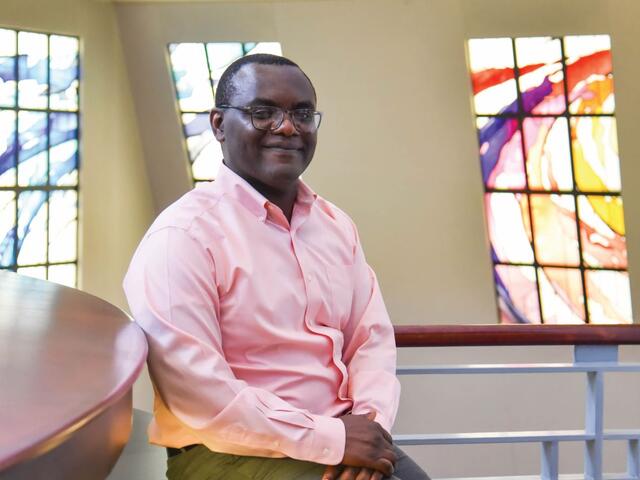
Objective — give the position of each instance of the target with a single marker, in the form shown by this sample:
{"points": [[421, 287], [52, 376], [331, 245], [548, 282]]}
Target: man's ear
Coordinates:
{"points": [[217, 124]]}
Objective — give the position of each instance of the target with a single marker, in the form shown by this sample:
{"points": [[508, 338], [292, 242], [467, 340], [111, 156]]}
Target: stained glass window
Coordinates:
{"points": [[545, 117], [39, 79], [197, 68]]}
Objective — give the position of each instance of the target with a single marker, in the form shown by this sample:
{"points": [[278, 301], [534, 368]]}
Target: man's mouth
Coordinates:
{"points": [[285, 148]]}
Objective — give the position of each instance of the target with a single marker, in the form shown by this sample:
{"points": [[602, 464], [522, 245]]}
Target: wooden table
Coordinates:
{"points": [[68, 361]]}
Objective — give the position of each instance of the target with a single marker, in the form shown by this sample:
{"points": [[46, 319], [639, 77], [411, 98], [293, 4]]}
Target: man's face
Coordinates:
{"points": [[270, 159]]}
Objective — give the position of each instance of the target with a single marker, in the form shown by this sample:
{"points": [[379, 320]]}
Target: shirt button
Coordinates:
{"points": [[325, 451], [276, 443]]}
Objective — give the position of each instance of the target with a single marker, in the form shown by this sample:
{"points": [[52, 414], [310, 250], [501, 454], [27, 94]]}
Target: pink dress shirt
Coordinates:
{"points": [[260, 333]]}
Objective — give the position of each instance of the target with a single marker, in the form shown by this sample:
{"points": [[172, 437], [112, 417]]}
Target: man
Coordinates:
{"points": [[270, 349]]}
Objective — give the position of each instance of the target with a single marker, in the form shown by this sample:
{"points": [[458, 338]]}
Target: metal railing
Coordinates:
{"points": [[595, 353]]}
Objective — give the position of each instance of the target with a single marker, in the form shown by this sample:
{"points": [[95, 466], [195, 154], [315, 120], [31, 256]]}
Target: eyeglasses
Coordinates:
{"points": [[269, 118]]}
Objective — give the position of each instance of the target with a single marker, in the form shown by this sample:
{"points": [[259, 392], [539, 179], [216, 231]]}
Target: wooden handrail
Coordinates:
{"points": [[497, 335]]}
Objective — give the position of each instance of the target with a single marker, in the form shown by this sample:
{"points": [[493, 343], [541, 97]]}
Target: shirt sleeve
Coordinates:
{"points": [[172, 293], [370, 350]]}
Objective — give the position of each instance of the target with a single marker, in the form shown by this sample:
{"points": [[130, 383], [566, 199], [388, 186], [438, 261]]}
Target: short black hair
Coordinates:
{"points": [[226, 87]]}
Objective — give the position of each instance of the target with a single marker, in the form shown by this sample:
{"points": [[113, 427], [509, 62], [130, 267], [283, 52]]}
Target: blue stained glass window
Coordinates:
{"points": [[39, 80], [197, 68]]}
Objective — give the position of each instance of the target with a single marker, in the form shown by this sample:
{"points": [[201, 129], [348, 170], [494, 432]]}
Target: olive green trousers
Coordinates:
{"points": [[200, 463]]}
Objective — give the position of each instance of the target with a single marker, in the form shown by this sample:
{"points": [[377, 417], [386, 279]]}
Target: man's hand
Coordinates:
{"points": [[351, 473], [367, 445]]}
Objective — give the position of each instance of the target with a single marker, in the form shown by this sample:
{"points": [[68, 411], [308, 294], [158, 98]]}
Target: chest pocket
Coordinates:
{"points": [[341, 284]]}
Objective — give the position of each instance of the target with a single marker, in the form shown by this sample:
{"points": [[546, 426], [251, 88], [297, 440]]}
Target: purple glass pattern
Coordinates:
{"points": [[32, 156], [517, 294], [63, 153]]}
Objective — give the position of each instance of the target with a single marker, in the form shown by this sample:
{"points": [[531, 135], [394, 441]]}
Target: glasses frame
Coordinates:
{"points": [[250, 110]]}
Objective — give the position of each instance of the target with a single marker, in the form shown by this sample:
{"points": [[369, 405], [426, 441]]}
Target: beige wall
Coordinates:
{"points": [[115, 202]]}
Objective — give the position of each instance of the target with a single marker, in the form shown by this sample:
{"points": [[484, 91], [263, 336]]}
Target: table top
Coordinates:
{"points": [[65, 356]]}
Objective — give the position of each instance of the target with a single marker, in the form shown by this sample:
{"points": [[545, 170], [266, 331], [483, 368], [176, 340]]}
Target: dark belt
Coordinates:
{"points": [[172, 452]]}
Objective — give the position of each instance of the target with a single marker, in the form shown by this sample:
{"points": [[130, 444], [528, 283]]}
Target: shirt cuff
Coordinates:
{"points": [[329, 437]]}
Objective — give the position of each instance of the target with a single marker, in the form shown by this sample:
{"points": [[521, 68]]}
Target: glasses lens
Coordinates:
{"points": [[266, 118], [306, 121]]}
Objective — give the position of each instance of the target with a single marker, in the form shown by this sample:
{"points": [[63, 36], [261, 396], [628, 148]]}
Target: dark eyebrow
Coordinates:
{"points": [[305, 105], [259, 102]]}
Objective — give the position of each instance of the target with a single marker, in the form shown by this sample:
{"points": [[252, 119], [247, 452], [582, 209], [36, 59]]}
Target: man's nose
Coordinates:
{"points": [[286, 128]]}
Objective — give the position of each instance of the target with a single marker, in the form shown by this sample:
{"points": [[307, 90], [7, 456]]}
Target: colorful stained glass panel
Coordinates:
{"points": [[554, 226], [8, 68], [501, 153], [63, 154], [33, 89], [32, 228], [589, 74], [492, 75], [595, 154], [7, 148], [32, 159], [7, 228], [541, 78], [602, 231], [570, 184], [608, 296], [517, 294], [546, 142], [63, 226], [191, 76], [64, 72], [509, 230], [561, 295]]}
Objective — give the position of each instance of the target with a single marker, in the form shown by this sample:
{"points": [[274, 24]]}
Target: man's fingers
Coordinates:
{"points": [[365, 474], [385, 466], [331, 472], [349, 473], [377, 476]]}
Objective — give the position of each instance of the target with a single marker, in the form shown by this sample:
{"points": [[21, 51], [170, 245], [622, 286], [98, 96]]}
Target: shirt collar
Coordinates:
{"points": [[239, 189]]}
